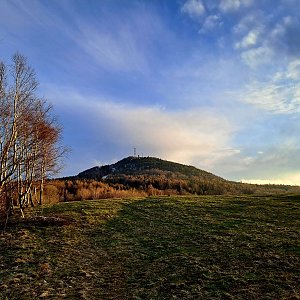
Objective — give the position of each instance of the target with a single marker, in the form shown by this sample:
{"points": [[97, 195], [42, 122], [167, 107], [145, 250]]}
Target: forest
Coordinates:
{"points": [[120, 186]]}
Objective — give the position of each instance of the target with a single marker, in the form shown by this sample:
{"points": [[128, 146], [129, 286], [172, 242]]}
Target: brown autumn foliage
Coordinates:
{"points": [[29, 138], [75, 190], [122, 186]]}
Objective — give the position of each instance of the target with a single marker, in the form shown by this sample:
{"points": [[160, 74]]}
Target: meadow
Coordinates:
{"points": [[177, 247]]}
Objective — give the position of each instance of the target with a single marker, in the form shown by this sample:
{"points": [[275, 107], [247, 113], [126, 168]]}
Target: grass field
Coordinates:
{"points": [[156, 248]]}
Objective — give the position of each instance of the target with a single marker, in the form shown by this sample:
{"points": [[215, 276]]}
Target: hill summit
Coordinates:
{"points": [[146, 166], [155, 176]]}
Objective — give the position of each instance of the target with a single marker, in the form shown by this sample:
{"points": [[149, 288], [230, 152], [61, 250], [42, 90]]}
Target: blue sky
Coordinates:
{"points": [[211, 83]]}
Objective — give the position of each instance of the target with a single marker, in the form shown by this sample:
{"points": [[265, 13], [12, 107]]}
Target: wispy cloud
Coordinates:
{"points": [[279, 162], [280, 94], [113, 44], [234, 5], [117, 50]]}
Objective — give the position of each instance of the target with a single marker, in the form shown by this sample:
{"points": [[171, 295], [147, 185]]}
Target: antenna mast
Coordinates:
{"points": [[134, 152]]}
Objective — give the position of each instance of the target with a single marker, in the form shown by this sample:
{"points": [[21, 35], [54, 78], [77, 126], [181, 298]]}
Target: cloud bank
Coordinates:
{"points": [[199, 136]]}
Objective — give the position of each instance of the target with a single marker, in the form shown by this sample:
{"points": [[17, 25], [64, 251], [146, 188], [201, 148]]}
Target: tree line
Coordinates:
{"points": [[30, 136], [120, 186]]}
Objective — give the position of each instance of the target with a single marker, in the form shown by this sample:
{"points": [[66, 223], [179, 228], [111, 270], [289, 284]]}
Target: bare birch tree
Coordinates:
{"points": [[29, 136]]}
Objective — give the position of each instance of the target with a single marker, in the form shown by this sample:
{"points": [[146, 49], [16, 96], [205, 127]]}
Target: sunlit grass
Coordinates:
{"points": [[157, 248]]}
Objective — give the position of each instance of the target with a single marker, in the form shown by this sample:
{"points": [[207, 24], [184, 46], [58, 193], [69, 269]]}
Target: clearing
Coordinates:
{"points": [[208, 247]]}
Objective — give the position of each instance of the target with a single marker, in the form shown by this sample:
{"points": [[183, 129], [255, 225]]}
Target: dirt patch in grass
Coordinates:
{"points": [[43, 221]]}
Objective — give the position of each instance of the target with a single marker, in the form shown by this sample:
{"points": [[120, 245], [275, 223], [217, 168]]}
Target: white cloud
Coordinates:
{"points": [[249, 40], [286, 28], [196, 136], [229, 5], [162, 133], [273, 98], [260, 36], [256, 57], [287, 179], [264, 161], [247, 22], [279, 94], [210, 23], [194, 8], [293, 71], [233, 5]]}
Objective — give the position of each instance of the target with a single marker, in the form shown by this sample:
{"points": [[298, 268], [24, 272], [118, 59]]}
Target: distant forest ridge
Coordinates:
{"points": [[150, 176]]}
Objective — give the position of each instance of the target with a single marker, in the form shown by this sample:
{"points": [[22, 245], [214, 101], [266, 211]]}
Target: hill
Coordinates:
{"points": [[155, 176], [147, 166]]}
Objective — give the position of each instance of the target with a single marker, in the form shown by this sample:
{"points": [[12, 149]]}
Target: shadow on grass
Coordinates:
{"points": [[158, 248], [207, 248]]}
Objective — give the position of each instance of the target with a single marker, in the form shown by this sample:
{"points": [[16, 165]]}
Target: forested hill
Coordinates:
{"points": [[147, 166], [142, 176]]}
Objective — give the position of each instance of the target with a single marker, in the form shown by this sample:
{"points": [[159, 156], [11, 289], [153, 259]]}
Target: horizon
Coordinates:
{"points": [[138, 156], [207, 83]]}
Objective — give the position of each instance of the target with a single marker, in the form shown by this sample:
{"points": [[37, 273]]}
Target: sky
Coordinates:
{"points": [[209, 83]]}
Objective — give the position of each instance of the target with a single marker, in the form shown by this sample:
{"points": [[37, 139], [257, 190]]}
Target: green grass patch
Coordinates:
{"points": [[211, 247]]}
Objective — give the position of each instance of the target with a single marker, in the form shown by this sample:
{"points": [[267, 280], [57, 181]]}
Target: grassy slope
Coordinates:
{"points": [[157, 248]]}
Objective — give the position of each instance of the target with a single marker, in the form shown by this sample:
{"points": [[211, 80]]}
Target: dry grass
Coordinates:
{"points": [[156, 248]]}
